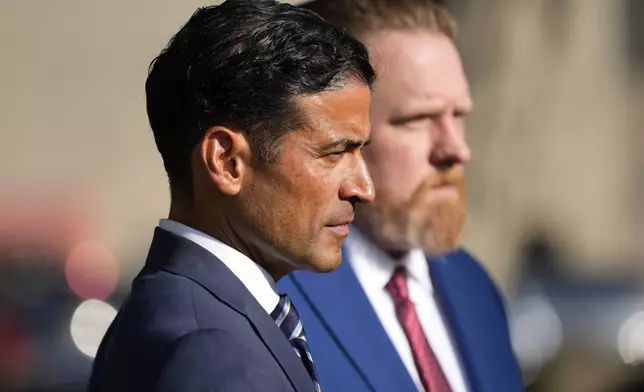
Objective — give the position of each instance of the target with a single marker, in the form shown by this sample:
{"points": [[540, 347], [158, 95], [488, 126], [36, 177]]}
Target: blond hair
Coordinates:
{"points": [[361, 17]]}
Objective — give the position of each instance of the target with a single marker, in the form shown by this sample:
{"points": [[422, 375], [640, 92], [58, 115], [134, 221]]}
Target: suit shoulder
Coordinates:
{"points": [[478, 269], [466, 260], [164, 303], [160, 302], [162, 310], [470, 266]]}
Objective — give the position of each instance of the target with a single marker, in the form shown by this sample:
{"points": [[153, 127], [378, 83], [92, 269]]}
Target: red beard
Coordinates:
{"points": [[426, 221]]}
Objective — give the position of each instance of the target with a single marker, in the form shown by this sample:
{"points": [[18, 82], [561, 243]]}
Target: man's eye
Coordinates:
{"points": [[412, 122], [335, 156]]}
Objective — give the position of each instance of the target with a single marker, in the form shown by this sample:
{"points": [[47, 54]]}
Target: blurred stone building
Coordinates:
{"points": [[554, 133], [558, 87]]}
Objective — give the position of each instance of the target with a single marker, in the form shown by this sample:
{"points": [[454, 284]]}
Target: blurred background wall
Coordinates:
{"points": [[551, 131], [555, 182]]}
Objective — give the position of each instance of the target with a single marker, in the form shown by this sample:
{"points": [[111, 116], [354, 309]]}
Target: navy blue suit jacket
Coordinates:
{"points": [[354, 354], [191, 325]]}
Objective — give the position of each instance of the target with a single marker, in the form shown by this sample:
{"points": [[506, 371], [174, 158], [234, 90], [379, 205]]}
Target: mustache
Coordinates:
{"points": [[449, 177], [452, 176]]}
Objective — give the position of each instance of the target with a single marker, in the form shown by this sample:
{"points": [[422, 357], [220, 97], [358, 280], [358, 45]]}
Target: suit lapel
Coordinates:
{"points": [[180, 256], [463, 297], [339, 300]]}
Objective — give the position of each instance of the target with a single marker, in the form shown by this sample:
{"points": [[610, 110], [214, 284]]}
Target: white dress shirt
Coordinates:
{"points": [[258, 282], [374, 268]]}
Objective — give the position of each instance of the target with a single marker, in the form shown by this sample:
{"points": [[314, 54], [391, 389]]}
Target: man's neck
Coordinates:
{"points": [[237, 237]]}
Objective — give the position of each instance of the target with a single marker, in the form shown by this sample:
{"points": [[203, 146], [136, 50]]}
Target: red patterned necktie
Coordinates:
{"points": [[429, 370]]}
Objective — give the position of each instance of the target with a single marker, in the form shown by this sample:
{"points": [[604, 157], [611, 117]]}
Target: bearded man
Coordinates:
{"points": [[408, 310]]}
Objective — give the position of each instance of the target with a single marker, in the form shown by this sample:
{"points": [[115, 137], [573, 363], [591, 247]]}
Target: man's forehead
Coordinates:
{"points": [[325, 130], [418, 63], [334, 118], [347, 107], [388, 44], [333, 123]]}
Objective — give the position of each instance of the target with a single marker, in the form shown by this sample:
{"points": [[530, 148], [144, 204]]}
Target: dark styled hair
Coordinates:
{"points": [[242, 64]]}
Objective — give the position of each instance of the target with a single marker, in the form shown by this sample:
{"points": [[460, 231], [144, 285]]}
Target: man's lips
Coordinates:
{"points": [[340, 227], [444, 190], [339, 230]]}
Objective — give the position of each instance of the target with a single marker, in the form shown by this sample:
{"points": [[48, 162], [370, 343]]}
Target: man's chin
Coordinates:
{"points": [[440, 251], [324, 262], [433, 245]]}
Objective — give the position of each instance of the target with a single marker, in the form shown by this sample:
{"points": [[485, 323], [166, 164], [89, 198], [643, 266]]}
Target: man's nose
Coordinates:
{"points": [[450, 145], [359, 186]]}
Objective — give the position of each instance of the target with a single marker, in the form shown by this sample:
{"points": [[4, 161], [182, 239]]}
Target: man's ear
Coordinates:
{"points": [[224, 157]]}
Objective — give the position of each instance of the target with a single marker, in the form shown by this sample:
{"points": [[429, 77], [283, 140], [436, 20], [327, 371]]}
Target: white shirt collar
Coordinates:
{"points": [[365, 255], [255, 278]]}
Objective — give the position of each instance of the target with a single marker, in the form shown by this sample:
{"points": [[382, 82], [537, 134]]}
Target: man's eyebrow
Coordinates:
{"points": [[346, 143], [424, 113]]}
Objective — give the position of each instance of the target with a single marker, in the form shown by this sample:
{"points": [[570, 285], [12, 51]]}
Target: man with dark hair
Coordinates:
{"points": [[407, 310], [259, 110]]}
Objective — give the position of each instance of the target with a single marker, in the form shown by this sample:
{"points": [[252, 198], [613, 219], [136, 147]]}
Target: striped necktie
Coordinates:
{"points": [[289, 322]]}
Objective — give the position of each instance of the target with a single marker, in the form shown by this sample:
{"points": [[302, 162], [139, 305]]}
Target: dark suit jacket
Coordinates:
{"points": [[191, 325], [354, 354]]}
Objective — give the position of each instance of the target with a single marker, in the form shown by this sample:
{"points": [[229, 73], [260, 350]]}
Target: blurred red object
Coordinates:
{"points": [[14, 351], [91, 270], [39, 227], [42, 225]]}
